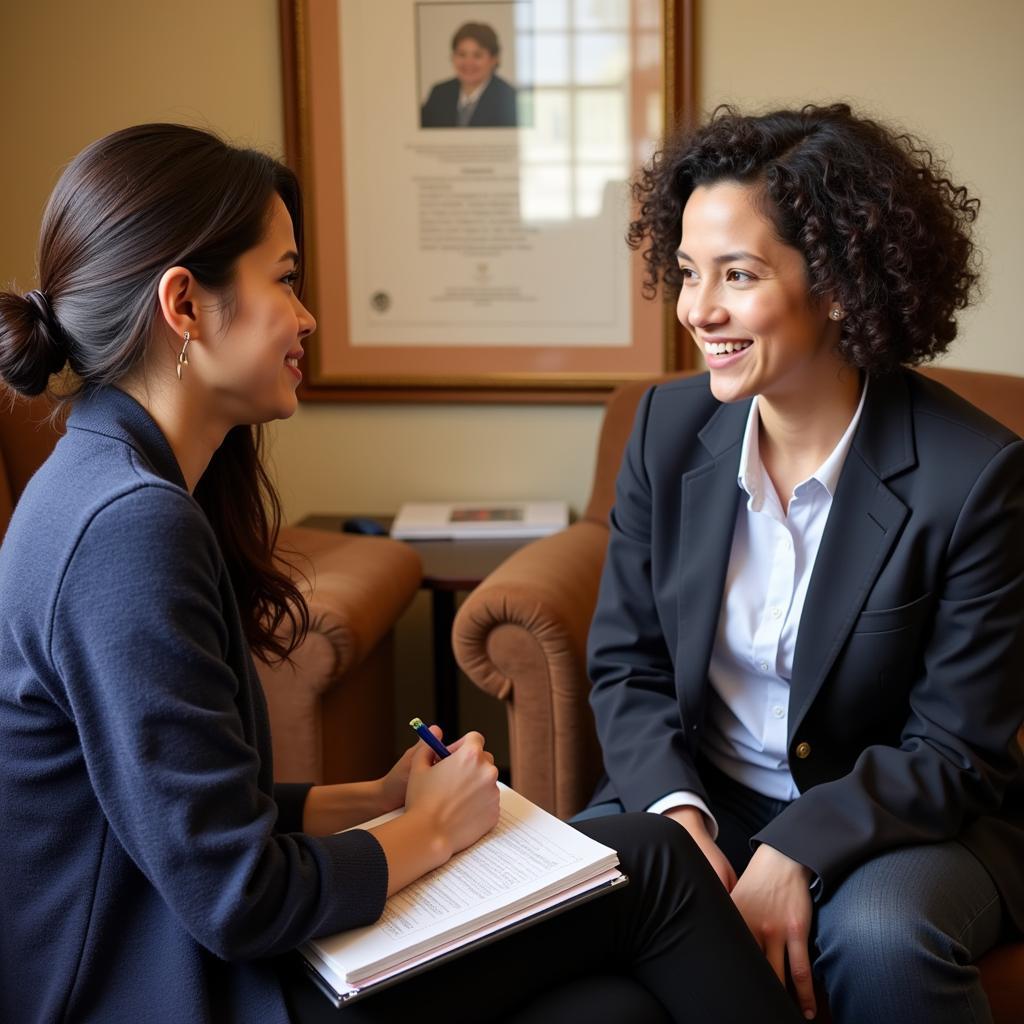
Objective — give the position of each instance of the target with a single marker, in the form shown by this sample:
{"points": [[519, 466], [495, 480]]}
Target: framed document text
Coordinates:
{"points": [[466, 168]]}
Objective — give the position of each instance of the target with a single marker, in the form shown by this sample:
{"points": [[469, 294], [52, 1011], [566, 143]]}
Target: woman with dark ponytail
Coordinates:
{"points": [[152, 870]]}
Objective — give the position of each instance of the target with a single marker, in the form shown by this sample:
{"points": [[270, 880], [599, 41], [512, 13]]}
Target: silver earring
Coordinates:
{"points": [[183, 354], [836, 314]]}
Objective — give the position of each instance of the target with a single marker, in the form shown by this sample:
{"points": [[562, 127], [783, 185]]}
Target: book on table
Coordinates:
{"points": [[529, 867], [493, 520]]}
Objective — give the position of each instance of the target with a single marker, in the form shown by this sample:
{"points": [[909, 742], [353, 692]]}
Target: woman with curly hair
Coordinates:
{"points": [[809, 638]]}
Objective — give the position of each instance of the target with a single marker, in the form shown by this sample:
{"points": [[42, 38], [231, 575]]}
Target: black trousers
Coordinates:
{"points": [[670, 946]]}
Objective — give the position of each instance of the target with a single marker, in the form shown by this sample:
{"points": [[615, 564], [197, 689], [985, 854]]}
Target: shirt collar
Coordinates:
{"points": [[827, 474], [466, 98]]}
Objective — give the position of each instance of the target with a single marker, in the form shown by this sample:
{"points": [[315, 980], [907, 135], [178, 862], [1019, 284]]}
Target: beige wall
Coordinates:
{"points": [[70, 71]]}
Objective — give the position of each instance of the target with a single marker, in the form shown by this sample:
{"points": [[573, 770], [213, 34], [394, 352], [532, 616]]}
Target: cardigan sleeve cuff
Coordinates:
{"points": [[358, 880]]}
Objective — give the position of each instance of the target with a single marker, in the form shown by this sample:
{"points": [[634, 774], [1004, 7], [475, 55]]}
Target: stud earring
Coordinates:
{"points": [[836, 314], [183, 354]]}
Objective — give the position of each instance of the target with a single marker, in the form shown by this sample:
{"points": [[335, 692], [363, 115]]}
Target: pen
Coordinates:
{"points": [[429, 738]]}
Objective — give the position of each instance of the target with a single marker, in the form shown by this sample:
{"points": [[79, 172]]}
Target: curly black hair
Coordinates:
{"points": [[880, 226]]}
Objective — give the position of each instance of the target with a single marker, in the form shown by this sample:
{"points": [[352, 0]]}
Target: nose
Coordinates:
{"points": [[307, 322], [699, 306]]}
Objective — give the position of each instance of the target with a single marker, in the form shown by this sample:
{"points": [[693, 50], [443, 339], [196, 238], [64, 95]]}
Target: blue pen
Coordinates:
{"points": [[429, 738]]}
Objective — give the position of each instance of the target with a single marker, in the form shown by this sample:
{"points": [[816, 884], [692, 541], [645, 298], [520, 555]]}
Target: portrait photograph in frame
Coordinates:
{"points": [[465, 239], [472, 71]]}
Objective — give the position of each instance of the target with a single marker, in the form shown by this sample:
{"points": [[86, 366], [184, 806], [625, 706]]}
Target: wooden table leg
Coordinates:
{"points": [[446, 672]]}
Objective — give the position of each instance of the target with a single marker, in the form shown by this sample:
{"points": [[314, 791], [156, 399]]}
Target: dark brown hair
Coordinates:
{"points": [[880, 225], [128, 207], [481, 34]]}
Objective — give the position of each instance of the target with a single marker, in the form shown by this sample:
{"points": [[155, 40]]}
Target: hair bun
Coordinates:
{"points": [[32, 344], [42, 305]]}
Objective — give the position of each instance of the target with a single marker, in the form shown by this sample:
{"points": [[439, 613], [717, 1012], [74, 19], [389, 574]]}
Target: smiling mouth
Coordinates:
{"points": [[292, 362], [724, 348]]}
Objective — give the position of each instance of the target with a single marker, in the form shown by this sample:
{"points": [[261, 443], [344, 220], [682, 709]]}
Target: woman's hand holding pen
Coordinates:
{"points": [[457, 797], [449, 805], [335, 807], [393, 786]]}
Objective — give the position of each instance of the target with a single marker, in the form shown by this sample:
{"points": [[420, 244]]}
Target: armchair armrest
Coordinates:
{"points": [[355, 586], [521, 636], [332, 705]]}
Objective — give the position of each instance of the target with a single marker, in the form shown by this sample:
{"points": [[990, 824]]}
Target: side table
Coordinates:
{"points": [[449, 566]]}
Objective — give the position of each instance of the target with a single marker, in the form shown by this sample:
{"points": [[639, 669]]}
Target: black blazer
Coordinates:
{"points": [[906, 693], [496, 107]]}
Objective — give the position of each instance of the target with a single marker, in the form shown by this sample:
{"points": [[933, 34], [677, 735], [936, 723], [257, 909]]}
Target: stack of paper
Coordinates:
{"points": [[529, 866]]}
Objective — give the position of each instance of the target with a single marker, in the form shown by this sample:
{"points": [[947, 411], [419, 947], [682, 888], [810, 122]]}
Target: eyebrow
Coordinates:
{"points": [[727, 257], [291, 254]]}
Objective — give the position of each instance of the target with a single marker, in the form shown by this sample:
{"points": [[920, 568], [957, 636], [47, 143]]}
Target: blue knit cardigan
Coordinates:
{"points": [[149, 867]]}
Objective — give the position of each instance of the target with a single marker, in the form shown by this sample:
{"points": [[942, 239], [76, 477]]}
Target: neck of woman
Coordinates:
{"points": [[181, 413], [799, 431]]}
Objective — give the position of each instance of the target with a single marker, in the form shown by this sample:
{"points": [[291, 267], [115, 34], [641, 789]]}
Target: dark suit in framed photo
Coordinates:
{"points": [[496, 107]]}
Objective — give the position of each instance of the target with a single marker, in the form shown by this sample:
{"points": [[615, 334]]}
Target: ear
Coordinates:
{"points": [[176, 293]]}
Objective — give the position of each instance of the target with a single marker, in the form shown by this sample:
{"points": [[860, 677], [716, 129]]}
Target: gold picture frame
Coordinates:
{"points": [[659, 39]]}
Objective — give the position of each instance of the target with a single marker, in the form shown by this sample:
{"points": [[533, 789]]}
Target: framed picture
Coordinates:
{"points": [[466, 169]]}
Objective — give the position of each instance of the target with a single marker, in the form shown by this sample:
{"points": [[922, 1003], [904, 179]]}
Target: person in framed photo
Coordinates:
{"points": [[477, 97]]}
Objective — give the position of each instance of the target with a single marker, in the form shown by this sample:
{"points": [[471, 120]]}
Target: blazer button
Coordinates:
{"points": [[803, 750]]}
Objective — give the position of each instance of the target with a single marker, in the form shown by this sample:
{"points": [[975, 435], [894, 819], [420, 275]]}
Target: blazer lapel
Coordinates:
{"points": [[710, 494], [863, 524]]}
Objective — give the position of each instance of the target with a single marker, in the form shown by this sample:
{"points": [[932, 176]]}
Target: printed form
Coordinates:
{"points": [[529, 856]]}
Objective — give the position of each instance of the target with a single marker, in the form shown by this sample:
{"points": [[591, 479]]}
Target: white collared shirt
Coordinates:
{"points": [[466, 98], [468, 102], [770, 566]]}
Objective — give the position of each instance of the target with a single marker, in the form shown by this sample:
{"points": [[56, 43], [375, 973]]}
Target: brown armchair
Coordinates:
{"points": [[332, 707], [521, 637]]}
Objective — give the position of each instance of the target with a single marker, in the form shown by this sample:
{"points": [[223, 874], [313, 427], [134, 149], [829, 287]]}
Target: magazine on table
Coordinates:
{"points": [[491, 520]]}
